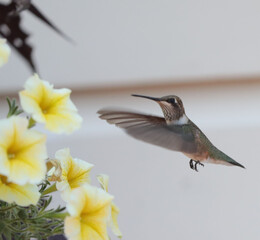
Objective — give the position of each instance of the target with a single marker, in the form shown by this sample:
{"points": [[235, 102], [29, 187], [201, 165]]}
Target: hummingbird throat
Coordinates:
{"points": [[182, 120], [173, 115]]}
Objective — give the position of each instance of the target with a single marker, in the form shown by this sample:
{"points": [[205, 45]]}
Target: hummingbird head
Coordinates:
{"points": [[172, 108]]}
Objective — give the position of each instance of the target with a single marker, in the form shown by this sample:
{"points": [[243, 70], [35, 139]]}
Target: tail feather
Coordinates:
{"points": [[222, 158], [233, 162]]}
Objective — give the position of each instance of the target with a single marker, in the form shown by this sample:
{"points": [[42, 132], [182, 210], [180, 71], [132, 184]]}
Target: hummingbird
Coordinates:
{"points": [[175, 131]]}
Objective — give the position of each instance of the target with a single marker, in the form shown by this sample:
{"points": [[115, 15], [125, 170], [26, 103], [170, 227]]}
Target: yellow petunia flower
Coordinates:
{"points": [[22, 152], [50, 106], [89, 209], [68, 172], [4, 52], [103, 180], [22, 195]]}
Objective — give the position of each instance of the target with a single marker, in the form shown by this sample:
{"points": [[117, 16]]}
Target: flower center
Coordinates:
{"points": [[11, 155], [44, 107], [3, 179], [84, 218]]}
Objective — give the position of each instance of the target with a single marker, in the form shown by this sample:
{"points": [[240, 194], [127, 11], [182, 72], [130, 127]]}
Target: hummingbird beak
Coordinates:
{"points": [[151, 98]]}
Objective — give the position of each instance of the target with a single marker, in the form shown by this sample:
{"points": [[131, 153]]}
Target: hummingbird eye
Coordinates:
{"points": [[171, 100]]}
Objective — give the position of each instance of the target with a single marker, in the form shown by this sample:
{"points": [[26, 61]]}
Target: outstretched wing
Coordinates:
{"points": [[152, 129]]}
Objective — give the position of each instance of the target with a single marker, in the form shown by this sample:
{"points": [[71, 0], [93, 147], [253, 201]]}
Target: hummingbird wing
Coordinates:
{"points": [[152, 129]]}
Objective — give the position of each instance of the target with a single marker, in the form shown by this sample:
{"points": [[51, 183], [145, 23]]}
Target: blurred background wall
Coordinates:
{"points": [[206, 52]]}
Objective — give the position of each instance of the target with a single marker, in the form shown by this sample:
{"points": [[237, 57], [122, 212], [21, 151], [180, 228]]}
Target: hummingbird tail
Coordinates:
{"points": [[226, 160], [233, 162], [221, 158]]}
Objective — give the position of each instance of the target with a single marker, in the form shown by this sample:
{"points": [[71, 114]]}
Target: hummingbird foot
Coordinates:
{"points": [[194, 166]]}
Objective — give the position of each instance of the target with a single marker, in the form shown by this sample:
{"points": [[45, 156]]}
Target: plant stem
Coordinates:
{"points": [[51, 189], [7, 208], [16, 230], [59, 215]]}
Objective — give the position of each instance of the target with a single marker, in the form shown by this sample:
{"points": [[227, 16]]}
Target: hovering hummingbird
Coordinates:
{"points": [[175, 131]]}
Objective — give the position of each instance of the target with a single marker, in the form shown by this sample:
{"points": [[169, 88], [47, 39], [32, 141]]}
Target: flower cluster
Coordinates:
{"points": [[26, 172], [90, 208]]}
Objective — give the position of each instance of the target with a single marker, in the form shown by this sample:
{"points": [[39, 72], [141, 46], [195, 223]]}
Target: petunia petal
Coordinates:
{"points": [[76, 202], [103, 180], [113, 221], [63, 121], [4, 162], [95, 231], [30, 105], [23, 195], [72, 228]]}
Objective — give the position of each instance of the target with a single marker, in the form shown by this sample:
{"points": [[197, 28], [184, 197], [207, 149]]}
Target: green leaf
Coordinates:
{"points": [[32, 123], [8, 234], [2, 227], [22, 214], [9, 102], [13, 108]]}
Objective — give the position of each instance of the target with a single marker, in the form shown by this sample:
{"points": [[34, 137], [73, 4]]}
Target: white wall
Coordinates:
{"points": [[128, 41]]}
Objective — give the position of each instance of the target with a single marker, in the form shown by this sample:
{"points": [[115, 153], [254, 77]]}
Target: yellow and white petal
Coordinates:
{"points": [[32, 97], [4, 52], [63, 121], [30, 106], [22, 152], [76, 202], [4, 161], [103, 180], [7, 129], [62, 113], [39, 89], [63, 155], [22, 195], [94, 230], [72, 228], [30, 151], [113, 220], [92, 198], [76, 230], [96, 199]]}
